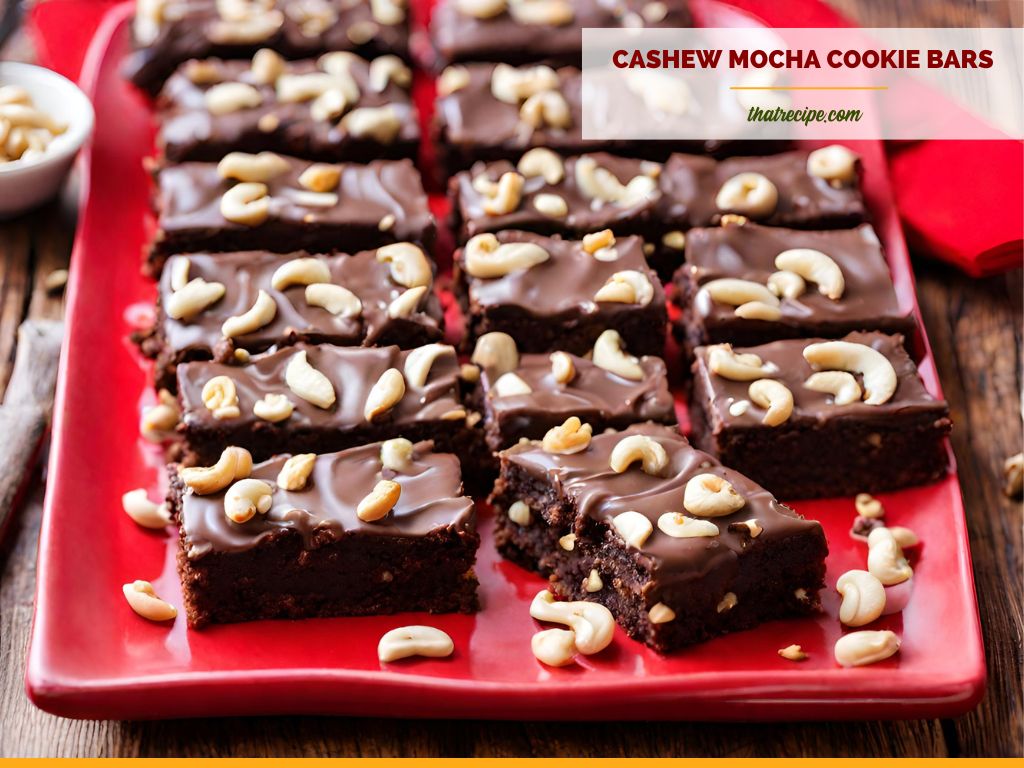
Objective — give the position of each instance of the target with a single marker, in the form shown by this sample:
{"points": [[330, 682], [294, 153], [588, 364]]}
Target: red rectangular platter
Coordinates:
{"points": [[91, 657]]}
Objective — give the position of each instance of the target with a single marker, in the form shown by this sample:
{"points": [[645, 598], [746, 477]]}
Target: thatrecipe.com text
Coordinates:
{"points": [[712, 58]]}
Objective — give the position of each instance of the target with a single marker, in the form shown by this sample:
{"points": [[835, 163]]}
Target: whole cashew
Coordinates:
{"points": [[303, 271], [507, 195], [234, 464], [485, 257], [679, 526], [262, 312], [885, 558], [144, 512], [385, 394], [481, 9], [512, 85], [554, 647], [404, 642], [815, 266], [750, 194], [496, 353], [247, 203], [510, 385], [736, 366], [242, 166], [592, 623], [144, 601], [863, 598], [409, 265], [642, 448], [421, 360], [865, 647], [192, 298], [572, 436], [633, 527], [542, 162], [407, 302], [628, 287], [225, 98], [840, 384], [336, 299], [396, 454], [547, 108], [773, 396], [708, 495], [609, 355], [547, 13], [247, 497], [308, 383], [878, 374], [733, 291], [786, 285], [835, 164]]}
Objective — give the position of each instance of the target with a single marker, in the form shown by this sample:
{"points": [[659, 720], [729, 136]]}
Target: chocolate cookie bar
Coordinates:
{"points": [[341, 299], [371, 530], [553, 294], [316, 399], [520, 33], [815, 418], [339, 108], [747, 284], [167, 34], [282, 204], [677, 546]]}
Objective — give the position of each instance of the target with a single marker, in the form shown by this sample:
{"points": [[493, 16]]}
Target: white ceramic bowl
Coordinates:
{"points": [[25, 184]]}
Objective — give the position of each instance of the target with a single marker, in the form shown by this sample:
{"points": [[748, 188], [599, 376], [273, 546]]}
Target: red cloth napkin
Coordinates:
{"points": [[960, 201]]}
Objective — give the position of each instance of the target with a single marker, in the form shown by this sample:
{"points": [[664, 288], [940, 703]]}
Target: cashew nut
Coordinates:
{"points": [[385, 394], [676, 240], [378, 502], [452, 79], [679, 526], [708, 495], [863, 598], [841, 385], [773, 396], [735, 292], [381, 124], [234, 464], [628, 287], [247, 203], [642, 448], [865, 647], [885, 558], [512, 85], [737, 366], [815, 266], [750, 194], [320, 178], [562, 368], [225, 98], [510, 385], [660, 614], [307, 199], [407, 302], [179, 267], [835, 164], [485, 257], [242, 166], [519, 513], [247, 497], [568, 542], [609, 355], [554, 647], [421, 360], [570, 437], [144, 601], [727, 603], [267, 65], [144, 512], [786, 284], [551, 205], [756, 310], [336, 299], [294, 475], [410, 267], [593, 582], [389, 69], [396, 454], [592, 623], [877, 372], [261, 313], [548, 13], [254, 27], [221, 398], [507, 195], [307, 382], [481, 9], [546, 109], [600, 242], [792, 653], [388, 12], [192, 298], [311, 85], [904, 537], [542, 162], [496, 353], [633, 527], [273, 408], [303, 271], [403, 642]]}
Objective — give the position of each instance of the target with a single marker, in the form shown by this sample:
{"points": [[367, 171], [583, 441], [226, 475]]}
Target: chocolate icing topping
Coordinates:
{"points": [[245, 274], [190, 196], [690, 184], [188, 32], [189, 131], [585, 214], [748, 252], [325, 509], [351, 370], [810, 408], [566, 282], [461, 37], [600, 494]]}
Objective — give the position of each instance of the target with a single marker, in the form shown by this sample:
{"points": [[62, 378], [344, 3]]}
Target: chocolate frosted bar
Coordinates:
{"points": [[344, 300], [315, 548], [322, 398], [282, 204], [677, 546], [853, 415], [777, 296], [167, 34], [340, 108], [520, 33], [553, 294]]}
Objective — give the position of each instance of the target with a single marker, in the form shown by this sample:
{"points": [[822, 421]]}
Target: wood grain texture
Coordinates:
{"points": [[975, 327]]}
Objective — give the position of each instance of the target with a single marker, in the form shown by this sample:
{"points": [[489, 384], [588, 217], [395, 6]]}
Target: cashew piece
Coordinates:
{"points": [[409, 265], [267, 65], [679, 526], [485, 257], [294, 475], [547, 108], [609, 355], [554, 647], [841, 385], [708, 495], [562, 368], [407, 302], [378, 502], [481, 9], [308, 383], [496, 353], [642, 448], [868, 506], [320, 178], [737, 366], [750, 194], [221, 398], [551, 205], [865, 647], [507, 195], [554, 13], [261, 313], [234, 464], [572, 436], [421, 360], [756, 310], [144, 601], [148, 514], [835, 164], [225, 98], [878, 374], [633, 527], [452, 79], [519, 513], [246, 203], [628, 287], [786, 284], [336, 299], [510, 385], [389, 69], [385, 394], [660, 614], [815, 266], [736, 292], [302, 271], [773, 396], [863, 598], [242, 166], [512, 85], [417, 640], [542, 162], [382, 124], [192, 298], [396, 454], [885, 558], [273, 408], [247, 497], [592, 623]]}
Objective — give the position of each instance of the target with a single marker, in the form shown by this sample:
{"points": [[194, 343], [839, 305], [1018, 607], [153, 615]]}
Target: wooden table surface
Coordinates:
{"points": [[975, 328]]}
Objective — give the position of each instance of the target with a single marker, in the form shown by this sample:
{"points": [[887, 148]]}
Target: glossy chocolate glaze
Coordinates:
{"points": [[600, 494], [690, 184], [190, 194], [188, 131], [585, 214], [593, 392], [431, 501], [748, 252], [815, 409], [351, 370], [459, 36], [566, 282], [186, 34], [244, 274]]}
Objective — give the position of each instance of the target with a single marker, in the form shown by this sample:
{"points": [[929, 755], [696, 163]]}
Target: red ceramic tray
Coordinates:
{"points": [[92, 657]]}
